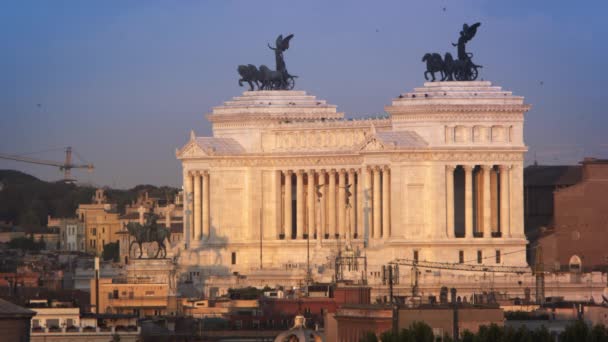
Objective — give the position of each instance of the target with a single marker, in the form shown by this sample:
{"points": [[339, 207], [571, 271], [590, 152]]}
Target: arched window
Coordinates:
{"points": [[575, 264]]}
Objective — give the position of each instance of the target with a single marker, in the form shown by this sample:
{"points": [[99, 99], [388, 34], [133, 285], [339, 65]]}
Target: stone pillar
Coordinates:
{"points": [[322, 206], [197, 206], [299, 204], [311, 204], [332, 204], [206, 214], [377, 221], [487, 203], [142, 211], [449, 183], [352, 203], [358, 227], [188, 198], [468, 200], [278, 203], [341, 201], [386, 203], [367, 200], [288, 214], [494, 200], [504, 200], [168, 212]]}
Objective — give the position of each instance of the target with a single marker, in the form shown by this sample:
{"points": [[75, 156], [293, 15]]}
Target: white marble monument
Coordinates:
{"points": [[438, 179]]}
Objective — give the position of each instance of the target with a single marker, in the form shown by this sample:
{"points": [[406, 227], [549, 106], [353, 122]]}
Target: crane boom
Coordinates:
{"points": [[66, 166]]}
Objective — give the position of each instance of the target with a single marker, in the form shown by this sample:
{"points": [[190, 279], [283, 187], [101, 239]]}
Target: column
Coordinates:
{"points": [[278, 203], [206, 205], [299, 204], [322, 206], [310, 229], [352, 204], [504, 200], [331, 198], [494, 200], [449, 183], [341, 201], [468, 200], [367, 203], [516, 195], [287, 204], [331, 213], [377, 218], [487, 203], [386, 203], [358, 227], [188, 188], [197, 206]]}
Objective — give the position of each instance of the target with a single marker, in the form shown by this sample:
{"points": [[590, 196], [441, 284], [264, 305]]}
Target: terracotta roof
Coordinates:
{"points": [[8, 309], [219, 145], [552, 175]]}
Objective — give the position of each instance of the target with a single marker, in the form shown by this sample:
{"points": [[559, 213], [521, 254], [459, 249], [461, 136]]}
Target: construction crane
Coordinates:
{"points": [[66, 166]]}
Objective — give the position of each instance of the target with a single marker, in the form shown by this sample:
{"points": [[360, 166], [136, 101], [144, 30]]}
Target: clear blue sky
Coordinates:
{"points": [[124, 82]]}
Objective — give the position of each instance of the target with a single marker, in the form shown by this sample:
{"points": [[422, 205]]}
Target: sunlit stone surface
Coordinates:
{"points": [[440, 178]]}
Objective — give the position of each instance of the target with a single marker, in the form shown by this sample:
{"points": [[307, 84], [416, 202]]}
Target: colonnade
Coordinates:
{"points": [[335, 203], [197, 183], [486, 198]]}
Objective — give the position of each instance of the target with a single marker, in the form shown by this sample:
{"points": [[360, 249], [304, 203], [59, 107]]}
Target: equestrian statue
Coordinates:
{"points": [[461, 69], [150, 231]]}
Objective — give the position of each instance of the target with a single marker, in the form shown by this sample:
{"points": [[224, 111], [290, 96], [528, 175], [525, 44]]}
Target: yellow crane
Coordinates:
{"points": [[65, 166]]}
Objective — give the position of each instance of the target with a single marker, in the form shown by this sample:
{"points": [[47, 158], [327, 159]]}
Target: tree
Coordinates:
{"points": [[369, 337], [575, 332]]}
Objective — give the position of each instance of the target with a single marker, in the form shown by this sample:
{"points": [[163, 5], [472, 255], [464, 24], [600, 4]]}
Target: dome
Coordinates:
{"points": [[299, 333]]}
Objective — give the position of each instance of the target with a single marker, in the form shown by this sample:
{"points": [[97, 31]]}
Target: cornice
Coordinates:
{"points": [[457, 108], [308, 161]]}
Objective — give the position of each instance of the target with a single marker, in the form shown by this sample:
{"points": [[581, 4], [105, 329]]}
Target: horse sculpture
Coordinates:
{"points": [[461, 69], [266, 79], [149, 232], [433, 64]]}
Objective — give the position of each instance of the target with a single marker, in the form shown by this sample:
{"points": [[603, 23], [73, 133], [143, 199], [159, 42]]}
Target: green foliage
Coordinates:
{"points": [[578, 331], [371, 337], [111, 251], [27, 201], [416, 332], [27, 244]]}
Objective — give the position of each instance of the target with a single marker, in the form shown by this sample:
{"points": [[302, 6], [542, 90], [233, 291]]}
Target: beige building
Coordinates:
{"points": [[101, 222], [438, 179]]}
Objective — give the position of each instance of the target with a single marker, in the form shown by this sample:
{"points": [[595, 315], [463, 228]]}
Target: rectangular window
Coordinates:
{"points": [[94, 231], [131, 296], [115, 293], [498, 256], [234, 258], [479, 257], [416, 256], [109, 295], [461, 257]]}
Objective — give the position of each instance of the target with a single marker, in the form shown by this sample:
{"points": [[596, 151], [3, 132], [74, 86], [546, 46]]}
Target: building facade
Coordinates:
{"points": [[577, 238], [440, 178]]}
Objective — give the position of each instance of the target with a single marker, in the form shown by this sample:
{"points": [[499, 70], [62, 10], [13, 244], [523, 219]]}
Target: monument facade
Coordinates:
{"points": [[286, 182]]}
